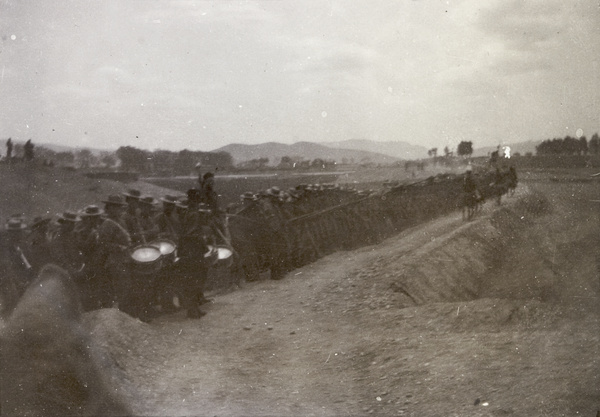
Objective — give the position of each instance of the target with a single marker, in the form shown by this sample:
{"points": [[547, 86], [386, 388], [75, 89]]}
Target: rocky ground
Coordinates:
{"points": [[497, 316]]}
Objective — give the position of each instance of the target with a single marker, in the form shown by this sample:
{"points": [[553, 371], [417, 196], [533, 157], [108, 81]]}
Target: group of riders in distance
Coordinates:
{"points": [[503, 182]]}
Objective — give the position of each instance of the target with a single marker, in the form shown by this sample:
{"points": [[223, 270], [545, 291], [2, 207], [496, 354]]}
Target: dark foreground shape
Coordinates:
{"points": [[48, 365]]}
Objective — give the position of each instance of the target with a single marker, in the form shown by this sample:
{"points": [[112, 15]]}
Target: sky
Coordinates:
{"points": [[199, 75]]}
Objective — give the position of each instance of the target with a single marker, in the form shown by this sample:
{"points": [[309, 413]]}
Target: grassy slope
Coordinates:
{"points": [[33, 190]]}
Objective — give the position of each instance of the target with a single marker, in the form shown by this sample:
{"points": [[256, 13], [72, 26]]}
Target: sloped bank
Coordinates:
{"points": [[454, 266]]}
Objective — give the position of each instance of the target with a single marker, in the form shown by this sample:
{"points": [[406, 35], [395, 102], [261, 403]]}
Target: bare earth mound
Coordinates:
{"points": [[498, 316]]}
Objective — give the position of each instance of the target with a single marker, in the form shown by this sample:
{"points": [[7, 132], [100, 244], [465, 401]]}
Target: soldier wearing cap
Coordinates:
{"points": [[192, 266], [92, 274], [168, 221], [147, 218], [112, 256], [16, 271], [209, 195], [131, 218], [65, 248], [87, 230], [37, 243], [280, 245]]}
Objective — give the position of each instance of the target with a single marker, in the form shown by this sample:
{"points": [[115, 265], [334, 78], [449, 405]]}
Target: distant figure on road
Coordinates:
{"points": [[471, 195], [512, 180], [9, 149], [28, 150]]}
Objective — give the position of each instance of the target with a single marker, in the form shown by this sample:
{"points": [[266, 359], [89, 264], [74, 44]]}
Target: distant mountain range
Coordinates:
{"points": [[305, 150], [353, 150], [396, 149]]}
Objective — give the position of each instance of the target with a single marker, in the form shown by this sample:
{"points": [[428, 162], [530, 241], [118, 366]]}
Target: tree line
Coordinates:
{"points": [[569, 146], [170, 163], [464, 148]]}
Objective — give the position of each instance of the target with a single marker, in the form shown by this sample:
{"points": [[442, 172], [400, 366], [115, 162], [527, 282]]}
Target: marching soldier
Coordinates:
{"points": [[181, 209], [209, 195], [192, 265], [15, 270], [37, 244], [149, 228], [131, 218], [65, 248], [168, 221], [112, 256]]}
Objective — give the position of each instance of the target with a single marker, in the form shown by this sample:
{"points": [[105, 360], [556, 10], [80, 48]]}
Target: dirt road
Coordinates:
{"points": [[498, 316]]}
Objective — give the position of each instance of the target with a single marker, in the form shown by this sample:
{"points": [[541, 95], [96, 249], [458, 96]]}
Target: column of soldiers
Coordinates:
{"points": [[272, 230], [95, 246], [305, 223], [309, 221]]}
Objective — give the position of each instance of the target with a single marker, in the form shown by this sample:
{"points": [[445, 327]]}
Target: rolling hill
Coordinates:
{"points": [[397, 149], [306, 150]]}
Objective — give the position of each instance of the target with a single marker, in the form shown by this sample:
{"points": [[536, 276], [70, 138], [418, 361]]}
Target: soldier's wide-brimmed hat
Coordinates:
{"points": [[169, 199], [248, 195], [274, 191], [15, 223], [91, 211], [68, 217], [148, 201], [115, 200], [39, 221], [132, 193]]}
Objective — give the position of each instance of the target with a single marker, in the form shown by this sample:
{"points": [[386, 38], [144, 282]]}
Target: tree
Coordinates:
{"points": [[64, 158], [465, 148], [84, 158], [570, 145], [318, 163], [163, 161], [286, 162], [583, 146], [109, 159], [447, 152], [132, 159], [594, 144]]}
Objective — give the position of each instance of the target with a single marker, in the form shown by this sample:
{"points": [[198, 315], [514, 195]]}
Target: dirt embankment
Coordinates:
{"points": [[498, 316]]}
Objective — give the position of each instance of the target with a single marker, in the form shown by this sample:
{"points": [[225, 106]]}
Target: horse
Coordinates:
{"points": [[470, 204], [49, 365]]}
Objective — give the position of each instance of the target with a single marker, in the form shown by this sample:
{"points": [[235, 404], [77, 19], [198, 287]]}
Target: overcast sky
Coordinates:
{"points": [[202, 74]]}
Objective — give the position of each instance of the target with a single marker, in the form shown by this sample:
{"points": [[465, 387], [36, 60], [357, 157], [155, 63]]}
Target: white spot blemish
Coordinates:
{"points": [[13, 37], [324, 114]]}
